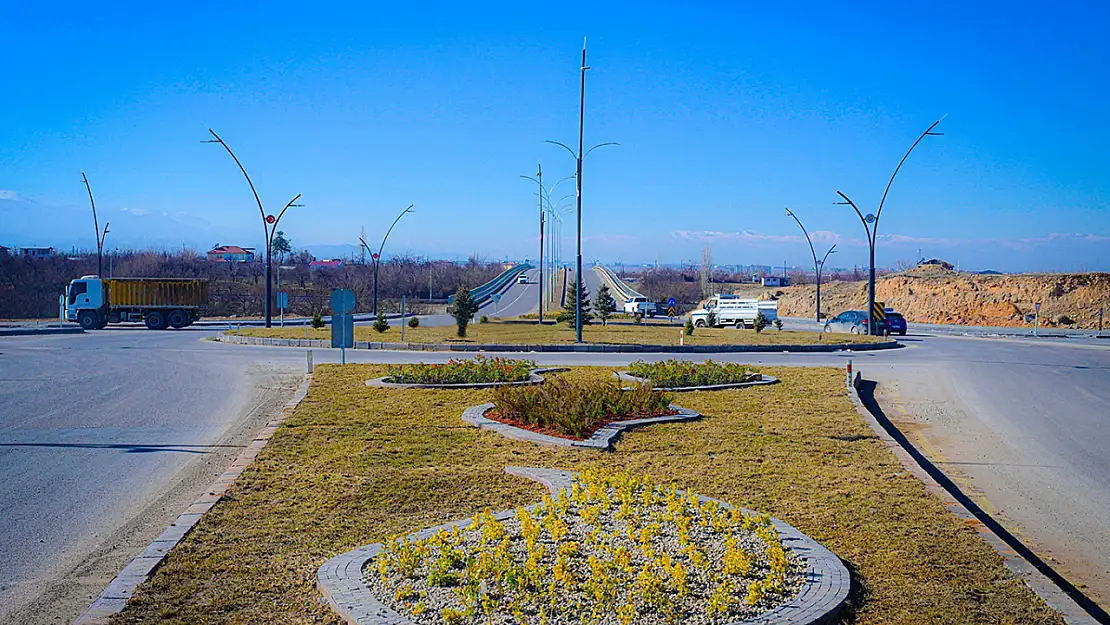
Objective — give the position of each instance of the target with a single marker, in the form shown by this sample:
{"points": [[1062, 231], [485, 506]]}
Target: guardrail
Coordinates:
{"points": [[481, 294], [622, 291]]}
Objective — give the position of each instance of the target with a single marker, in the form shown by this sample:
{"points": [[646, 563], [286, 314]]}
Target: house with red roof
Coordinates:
{"points": [[230, 254]]}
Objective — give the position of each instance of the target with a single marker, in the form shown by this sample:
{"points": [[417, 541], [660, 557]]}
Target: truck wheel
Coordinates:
{"points": [[699, 324], [88, 320], [156, 320], [178, 319]]}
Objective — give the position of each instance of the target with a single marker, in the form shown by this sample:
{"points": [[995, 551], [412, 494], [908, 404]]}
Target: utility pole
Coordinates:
{"points": [[871, 225]]}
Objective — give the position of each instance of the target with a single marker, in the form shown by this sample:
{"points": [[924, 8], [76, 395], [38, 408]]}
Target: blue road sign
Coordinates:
{"points": [[671, 301], [342, 301], [282, 300]]}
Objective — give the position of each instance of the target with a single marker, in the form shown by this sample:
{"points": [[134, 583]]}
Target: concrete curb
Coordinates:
{"points": [[39, 331], [119, 591], [566, 347], [534, 378], [601, 440], [1040, 584], [819, 601], [764, 380]]}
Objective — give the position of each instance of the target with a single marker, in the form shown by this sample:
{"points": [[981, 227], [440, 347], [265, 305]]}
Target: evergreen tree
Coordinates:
{"points": [[463, 309], [604, 304], [381, 324], [567, 314], [281, 246]]}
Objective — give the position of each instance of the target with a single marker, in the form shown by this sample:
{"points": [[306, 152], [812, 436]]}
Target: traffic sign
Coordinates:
{"points": [[342, 301], [671, 302], [282, 300], [879, 311], [670, 310], [496, 297], [270, 219]]}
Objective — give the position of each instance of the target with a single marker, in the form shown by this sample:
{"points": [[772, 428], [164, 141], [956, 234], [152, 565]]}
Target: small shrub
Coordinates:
{"points": [[414, 322], [317, 320], [689, 328], [381, 324], [483, 319], [480, 369], [575, 408], [677, 373]]}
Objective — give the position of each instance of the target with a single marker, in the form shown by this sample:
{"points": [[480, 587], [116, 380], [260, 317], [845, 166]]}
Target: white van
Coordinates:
{"points": [[733, 310]]}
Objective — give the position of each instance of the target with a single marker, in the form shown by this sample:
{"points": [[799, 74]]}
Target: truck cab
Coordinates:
{"points": [[86, 303]]}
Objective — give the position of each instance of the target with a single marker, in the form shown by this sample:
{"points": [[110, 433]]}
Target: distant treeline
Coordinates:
{"points": [[29, 288]]}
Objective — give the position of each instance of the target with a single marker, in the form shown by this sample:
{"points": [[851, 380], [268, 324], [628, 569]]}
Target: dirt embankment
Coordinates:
{"points": [[937, 296]]}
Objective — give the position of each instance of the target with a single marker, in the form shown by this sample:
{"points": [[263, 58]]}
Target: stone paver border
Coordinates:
{"points": [[115, 596], [763, 380], [602, 439], [826, 588], [562, 347], [534, 377], [40, 331]]}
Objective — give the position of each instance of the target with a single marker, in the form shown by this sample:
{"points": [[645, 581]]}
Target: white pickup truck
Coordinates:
{"points": [[640, 306], [733, 310]]}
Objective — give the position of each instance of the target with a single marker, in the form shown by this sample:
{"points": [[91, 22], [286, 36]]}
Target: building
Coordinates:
{"points": [[230, 254], [774, 281], [34, 252], [327, 262]]}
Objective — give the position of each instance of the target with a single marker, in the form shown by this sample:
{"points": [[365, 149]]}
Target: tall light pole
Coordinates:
{"points": [[871, 224], [818, 265], [269, 226], [96, 230], [545, 197], [578, 157], [376, 257]]}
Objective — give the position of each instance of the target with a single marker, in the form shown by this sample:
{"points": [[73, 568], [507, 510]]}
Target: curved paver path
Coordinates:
{"points": [[534, 377], [817, 603], [763, 380], [602, 439]]}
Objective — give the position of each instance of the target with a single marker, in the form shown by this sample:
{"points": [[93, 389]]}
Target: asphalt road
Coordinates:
{"points": [[95, 428], [518, 299]]}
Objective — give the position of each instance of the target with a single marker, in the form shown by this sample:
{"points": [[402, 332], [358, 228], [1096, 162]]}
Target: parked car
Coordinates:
{"points": [[896, 322], [853, 322]]}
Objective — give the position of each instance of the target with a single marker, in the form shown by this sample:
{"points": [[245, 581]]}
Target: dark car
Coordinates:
{"points": [[897, 323], [852, 321]]}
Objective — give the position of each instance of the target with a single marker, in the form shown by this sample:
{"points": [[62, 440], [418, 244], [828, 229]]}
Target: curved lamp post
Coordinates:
{"points": [[376, 257], [96, 228], [818, 265], [269, 225], [871, 224]]}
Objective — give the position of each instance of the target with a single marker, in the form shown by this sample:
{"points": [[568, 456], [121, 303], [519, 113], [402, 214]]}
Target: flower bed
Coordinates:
{"points": [[575, 409], [678, 373], [478, 370], [618, 549]]}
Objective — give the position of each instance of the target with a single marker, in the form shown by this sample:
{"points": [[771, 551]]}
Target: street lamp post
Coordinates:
{"points": [[871, 224], [545, 197], [96, 229], [269, 226], [578, 157], [376, 257], [818, 265]]}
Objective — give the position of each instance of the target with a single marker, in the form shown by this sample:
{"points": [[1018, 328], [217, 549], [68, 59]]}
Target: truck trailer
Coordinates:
{"points": [[160, 303], [733, 310]]}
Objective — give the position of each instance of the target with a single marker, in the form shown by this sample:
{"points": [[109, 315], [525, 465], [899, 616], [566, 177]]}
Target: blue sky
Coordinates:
{"points": [[725, 113]]}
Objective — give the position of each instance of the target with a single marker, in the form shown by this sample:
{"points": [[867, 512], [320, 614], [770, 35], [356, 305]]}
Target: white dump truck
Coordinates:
{"points": [[733, 310], [160, 303]]}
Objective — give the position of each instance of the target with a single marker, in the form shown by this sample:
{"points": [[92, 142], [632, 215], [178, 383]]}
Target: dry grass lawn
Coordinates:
{"points": [[355, 464], [524, 333]]}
